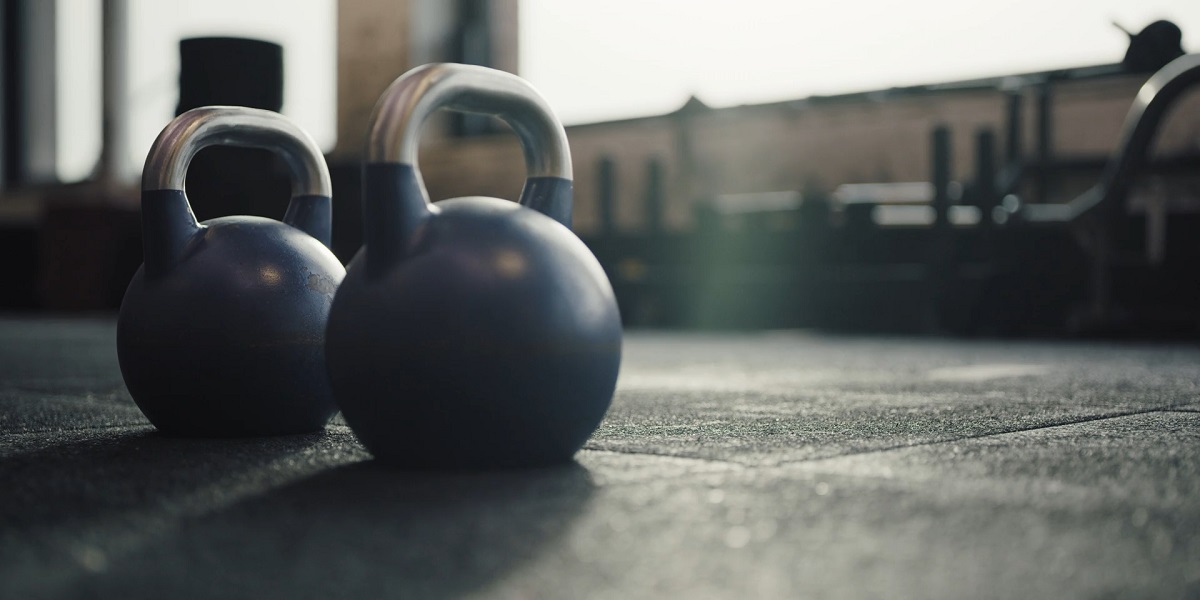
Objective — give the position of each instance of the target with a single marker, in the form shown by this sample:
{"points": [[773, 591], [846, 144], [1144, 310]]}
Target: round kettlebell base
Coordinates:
{"points": [[462, 408], [482, 421], [495, 344], [206, 389], [286, 394], [231, 342]]}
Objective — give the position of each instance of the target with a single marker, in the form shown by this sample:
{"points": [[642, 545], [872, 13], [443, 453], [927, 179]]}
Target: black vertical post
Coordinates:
{"points": [[1045, 136], [985, 174], [472, 45], [941, 247], [606, 192], [941, 244], [29, 91], [1015, 127], [7, 85], [941, 175], [654, 196]]}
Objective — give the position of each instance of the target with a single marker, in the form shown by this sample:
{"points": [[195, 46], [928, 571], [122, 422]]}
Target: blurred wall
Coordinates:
{"points": [[782, 146], [373, 48], [795, 146], [805, 144], [378, 40]]}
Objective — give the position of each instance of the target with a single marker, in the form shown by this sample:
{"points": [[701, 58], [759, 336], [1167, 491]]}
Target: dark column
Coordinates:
{"points": [[985, 174], [29, 92], [940, 142], [225, 180], [473, 46], [1014, 130], [940, 246], [1045, 137]]}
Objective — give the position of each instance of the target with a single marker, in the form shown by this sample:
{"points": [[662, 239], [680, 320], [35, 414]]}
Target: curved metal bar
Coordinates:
{"points": [[1153, 101], [1095, 214], [395, 126], [169, 157]]}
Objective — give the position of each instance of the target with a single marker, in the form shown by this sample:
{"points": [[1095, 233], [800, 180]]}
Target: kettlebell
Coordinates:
{"points": [[476, 332], [222, 330]]}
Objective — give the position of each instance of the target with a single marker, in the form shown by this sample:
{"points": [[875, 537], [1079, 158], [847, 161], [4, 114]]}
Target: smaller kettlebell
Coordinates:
{"points": [[475, 332], [222, 330]]}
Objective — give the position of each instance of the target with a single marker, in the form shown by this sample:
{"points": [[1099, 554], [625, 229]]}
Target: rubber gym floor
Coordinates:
{"points": [[765, 465]]}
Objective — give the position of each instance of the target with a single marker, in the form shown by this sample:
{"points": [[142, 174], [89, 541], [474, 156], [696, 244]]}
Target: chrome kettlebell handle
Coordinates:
{"points": [[169, 157], [167, 218], [395, 128]]}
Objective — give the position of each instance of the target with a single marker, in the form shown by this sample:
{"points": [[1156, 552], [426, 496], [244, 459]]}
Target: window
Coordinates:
{"points": [[622, 58], [55, 74]]}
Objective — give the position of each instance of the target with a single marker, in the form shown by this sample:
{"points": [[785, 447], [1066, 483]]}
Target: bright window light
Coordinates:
{"points": [[620, 58]]}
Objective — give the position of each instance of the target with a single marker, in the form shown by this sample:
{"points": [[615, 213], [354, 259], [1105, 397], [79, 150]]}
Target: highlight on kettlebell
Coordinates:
{"points": [[478, 332], [222, 330]]}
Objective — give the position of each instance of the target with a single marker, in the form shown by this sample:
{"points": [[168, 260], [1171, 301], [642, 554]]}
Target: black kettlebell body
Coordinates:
{"points": [[221, 332], [477, 332]]}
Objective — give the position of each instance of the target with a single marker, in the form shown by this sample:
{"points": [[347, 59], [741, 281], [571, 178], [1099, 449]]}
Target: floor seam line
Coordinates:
{"points": [[1086, 419], [964, 438], [976, 437]]}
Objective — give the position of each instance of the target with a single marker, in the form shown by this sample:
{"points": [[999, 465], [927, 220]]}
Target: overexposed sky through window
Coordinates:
{"points": [[308, 35], [607, 59], [596, 60]]}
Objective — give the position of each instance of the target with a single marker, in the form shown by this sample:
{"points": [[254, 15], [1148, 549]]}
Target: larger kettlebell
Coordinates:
{"points": [[222, 330], [475, 332]]}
